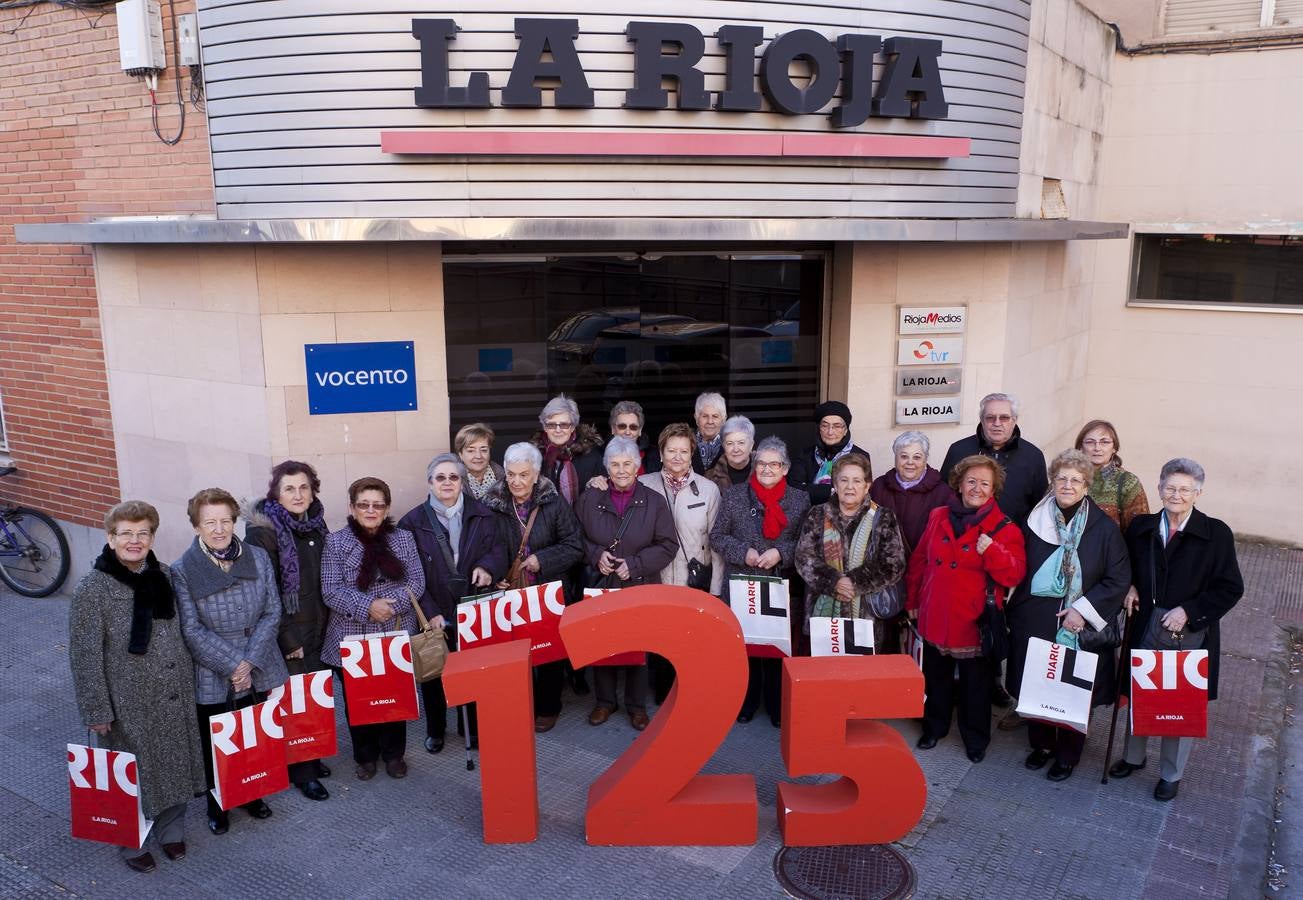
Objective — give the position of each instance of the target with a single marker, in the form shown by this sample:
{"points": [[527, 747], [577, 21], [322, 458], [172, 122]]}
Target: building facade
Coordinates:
{"points": [[901, 205]]}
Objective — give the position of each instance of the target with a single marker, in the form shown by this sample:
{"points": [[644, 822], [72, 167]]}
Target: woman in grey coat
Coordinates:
{"points": [[131, 673], [755, 533], [230, 615]]}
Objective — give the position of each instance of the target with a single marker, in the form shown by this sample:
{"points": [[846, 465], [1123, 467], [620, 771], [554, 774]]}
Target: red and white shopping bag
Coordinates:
{"points": [[1169, 693], [498, 617], [1057, 682], [636, 658], [762, 609], [307, 707], [104, 787], [841, 637], [248, 747], [379, 685]]}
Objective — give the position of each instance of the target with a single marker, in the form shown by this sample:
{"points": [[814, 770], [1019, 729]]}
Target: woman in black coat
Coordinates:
{"points": [[1185, 571], [812, 470], [451, 527], [289, 523], [550, 551], [755, 532], [1053, 604]]}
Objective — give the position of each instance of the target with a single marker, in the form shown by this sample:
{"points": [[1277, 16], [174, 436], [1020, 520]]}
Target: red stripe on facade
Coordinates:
{"points": [[667, 143]]}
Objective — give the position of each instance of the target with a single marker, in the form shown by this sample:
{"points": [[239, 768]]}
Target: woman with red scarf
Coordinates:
{"points": [[567, 448], [755, 533]]}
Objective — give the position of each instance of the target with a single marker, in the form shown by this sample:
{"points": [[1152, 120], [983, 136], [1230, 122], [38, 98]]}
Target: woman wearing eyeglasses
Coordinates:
{"points": [[1077, 575], [812, 470], [369, 573], [569, 460], [1185, 578], [461, 553], [1117, 492]]}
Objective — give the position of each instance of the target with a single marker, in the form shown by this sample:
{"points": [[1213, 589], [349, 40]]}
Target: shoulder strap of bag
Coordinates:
{"points": [[990, 582], [440, 537], [624, 523], [420, 613], [524, 538]]}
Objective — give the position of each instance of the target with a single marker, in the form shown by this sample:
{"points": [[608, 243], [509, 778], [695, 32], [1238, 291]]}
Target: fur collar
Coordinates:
{"points": [[498, 499]]}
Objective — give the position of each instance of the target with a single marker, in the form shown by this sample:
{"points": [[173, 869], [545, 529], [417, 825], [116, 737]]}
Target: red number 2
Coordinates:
{"points": [[652, 795], [825, 702]]}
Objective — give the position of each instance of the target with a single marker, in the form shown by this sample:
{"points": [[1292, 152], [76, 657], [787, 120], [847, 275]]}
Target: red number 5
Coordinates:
{"points": [[652, 794]]}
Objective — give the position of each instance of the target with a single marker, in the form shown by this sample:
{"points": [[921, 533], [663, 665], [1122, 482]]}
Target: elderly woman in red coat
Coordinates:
{"points": [[968, 544]]}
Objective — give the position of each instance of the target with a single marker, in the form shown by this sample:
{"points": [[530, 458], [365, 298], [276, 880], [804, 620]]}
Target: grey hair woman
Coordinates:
{"points": [[567, 447], [1185, 579], [734, 463], [912, 488]]}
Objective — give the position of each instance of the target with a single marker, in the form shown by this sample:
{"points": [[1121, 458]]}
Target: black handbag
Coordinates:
{"points": [[1156, 637], [1107, 638], [699, 573], [991, 624]]}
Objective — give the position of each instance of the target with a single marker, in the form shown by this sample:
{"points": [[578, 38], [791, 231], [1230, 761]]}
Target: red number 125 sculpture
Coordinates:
{"points": [[653, 794]]}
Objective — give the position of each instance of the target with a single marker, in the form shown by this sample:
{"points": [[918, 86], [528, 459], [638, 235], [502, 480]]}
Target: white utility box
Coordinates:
{"points": [[140, 35]]}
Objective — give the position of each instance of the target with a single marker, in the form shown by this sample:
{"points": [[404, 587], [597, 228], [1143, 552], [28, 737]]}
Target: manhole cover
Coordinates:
{"points": [[856, 872]]}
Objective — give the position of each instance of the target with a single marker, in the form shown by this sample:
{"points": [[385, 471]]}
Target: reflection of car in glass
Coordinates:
{"points": [[576, 337], [788, 324]]}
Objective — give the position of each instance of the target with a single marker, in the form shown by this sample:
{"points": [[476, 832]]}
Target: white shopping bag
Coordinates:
{"points": [[762, 608], [1057, 682], [841, 637]]}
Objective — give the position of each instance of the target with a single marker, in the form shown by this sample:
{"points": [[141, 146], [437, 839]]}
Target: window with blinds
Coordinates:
{"points": [[1216, 17]]}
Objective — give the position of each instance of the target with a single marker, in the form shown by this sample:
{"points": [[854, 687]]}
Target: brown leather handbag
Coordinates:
{"points": [[429, 647]]}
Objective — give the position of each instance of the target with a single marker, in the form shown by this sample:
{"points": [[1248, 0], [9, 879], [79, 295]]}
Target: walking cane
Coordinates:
{"points": [[1124, 665], [466, 727]]}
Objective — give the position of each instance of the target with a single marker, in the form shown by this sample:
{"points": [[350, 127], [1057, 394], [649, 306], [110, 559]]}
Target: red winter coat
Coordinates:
{"points": [[946, 578]]}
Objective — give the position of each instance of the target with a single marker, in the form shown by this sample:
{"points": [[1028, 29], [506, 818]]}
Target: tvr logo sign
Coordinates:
{"points": [[930, 351]]}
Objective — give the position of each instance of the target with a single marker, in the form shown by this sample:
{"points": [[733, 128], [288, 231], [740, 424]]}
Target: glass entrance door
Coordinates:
{"points": [[655, 328]]}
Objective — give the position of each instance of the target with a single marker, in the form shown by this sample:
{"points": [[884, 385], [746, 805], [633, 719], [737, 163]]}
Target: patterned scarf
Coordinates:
{"points": [[287, 525], [226, 557], [709, 450], [567, 479], [675, 484], [479, 488], [831, 605], [827, 454], [378, 561], [1060, 574], [775, 518]]}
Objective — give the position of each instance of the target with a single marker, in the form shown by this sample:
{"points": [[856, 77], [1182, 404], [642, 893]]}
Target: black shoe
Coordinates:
{"points": [[1166, 790], [142, 863], [1000, 697], [925, 741], [976, 756], [776, 721], [218, 821], [1123, 769], [323, 770], [579, 684], [434, 744], [257, 809], [314, 790], [1060, 771], [1037, 759], [744, 717]]}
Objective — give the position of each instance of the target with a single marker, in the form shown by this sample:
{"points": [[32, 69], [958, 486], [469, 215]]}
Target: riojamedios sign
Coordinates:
{"points": [[910, 86]]}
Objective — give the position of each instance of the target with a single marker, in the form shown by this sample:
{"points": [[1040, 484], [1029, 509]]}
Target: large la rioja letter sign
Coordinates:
{"points": [[653, 794]]}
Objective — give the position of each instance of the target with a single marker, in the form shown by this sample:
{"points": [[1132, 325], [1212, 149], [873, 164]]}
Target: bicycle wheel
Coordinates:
{"points": [[34, 557]]}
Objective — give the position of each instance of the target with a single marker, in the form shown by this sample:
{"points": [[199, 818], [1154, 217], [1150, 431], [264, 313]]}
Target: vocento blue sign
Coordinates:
{"points": [[378, 376]]}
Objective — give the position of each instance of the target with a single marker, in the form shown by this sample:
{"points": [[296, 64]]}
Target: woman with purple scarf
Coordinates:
{"points": [[289, 523]]}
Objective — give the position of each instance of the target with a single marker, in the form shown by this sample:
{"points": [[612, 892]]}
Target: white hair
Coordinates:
{"points": [[741, 424], [906, 438], [710, 398], [1181, 466], [773, 444], [620, 446], [524, 452], [994, 398], [560, 404], [445, 458]]}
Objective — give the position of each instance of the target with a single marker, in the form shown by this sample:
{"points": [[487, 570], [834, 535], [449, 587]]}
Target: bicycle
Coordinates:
{"points": [[34, 555]]}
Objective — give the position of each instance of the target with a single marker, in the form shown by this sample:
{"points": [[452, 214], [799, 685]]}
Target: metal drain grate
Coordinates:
{"points": [[856, 872]]}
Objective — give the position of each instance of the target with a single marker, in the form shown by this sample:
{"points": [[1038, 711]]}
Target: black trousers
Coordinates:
{"points": [[549, 678], [204, 711], [1064, 743], [387, 741], [973, 697], [764, 682], [436, 711], [660, 674]]}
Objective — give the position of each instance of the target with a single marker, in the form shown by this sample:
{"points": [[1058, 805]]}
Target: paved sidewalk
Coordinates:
{"points": [[993, 829]]}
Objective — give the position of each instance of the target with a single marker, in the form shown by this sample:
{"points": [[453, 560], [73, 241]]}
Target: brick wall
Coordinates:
{"points": [[75, 143]]}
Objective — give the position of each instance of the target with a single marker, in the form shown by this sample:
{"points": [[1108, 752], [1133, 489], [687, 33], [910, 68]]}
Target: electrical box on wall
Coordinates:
{"points": [[187, 37], [140, 36]]}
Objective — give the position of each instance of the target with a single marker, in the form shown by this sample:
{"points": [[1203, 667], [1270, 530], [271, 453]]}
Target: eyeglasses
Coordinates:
{"points": [[1102, 442], [214, 524], [832, 426], [371, 505], [1184, 493], [769, 464], [992, 420], [443, 479], [1069, 481], [626, 426], [558, 426], [132, 535]]}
